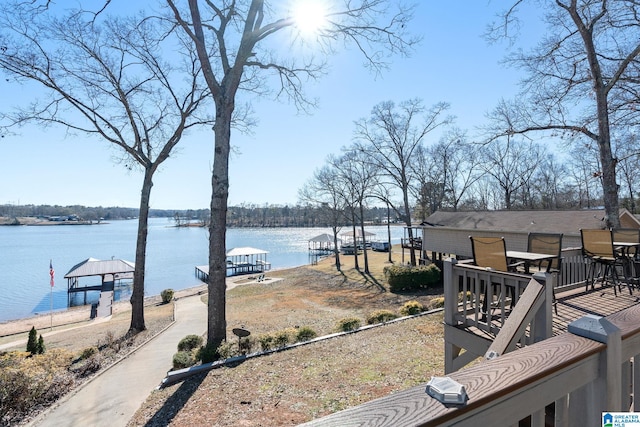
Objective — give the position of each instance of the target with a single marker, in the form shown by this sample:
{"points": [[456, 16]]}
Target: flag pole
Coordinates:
{"points": [[51, 282]]}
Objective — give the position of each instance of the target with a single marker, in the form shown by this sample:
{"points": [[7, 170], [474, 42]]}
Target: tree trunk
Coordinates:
{"points": [[364, 241], [389, 231], [217, 286], [335, 247], [407, 220], [355, 242], [137, 296]]}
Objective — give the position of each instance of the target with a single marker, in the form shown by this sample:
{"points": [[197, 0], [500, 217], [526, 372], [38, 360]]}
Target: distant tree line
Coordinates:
{"points": [[244, 215]]}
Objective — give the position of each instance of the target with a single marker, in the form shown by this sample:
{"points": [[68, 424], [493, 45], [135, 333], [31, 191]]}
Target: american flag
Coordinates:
{"points": [[52, 273]]}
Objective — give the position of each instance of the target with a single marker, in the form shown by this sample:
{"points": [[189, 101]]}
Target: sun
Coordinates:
{"points": [[309, 15]]}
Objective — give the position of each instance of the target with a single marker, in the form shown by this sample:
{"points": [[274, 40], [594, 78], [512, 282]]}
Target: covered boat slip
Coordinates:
{"points": [[111, 272], [244, 260]]}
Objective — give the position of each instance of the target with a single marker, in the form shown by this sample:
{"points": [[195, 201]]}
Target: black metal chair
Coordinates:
{"points": [[597, 246]]}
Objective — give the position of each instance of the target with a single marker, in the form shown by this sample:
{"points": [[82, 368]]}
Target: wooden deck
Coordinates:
{"points": [[554, 377], [578, 303]]}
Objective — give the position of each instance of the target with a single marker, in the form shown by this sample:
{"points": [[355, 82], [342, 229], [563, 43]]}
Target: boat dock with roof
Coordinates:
{"points": [[244, 260]]}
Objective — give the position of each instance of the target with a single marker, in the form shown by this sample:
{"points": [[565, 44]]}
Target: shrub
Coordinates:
{"points": [[411, 307], [207, 354], [190, 342], [266, 342], [32, 342], [348, 324], [245, 345], [407, 278], [88, 352], [437, 302], [305, 333], [183, 359], [41, 346], [381, 316], [166, 295], [282, 338], [226, 350]]}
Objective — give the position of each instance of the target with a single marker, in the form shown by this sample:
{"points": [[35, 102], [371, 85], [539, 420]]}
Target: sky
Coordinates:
{"points": [[453, 64]]}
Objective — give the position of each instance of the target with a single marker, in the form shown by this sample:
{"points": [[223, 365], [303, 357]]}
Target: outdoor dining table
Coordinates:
{"points": [[529, 257], [625, 253]]}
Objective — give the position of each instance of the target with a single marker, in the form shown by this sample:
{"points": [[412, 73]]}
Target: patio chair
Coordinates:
{"points": [[597, 247], [546, 243], [490, 252]]}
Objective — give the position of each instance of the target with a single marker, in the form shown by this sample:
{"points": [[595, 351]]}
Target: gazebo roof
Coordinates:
{"points": [[322, 238], [358, 233], [96, 267], [245, 251]]}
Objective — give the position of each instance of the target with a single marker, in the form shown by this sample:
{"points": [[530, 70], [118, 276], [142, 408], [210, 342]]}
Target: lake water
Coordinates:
{"points": [[172, 254]]}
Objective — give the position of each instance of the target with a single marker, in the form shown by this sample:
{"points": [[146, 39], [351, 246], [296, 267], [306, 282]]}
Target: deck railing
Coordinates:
{"points": [[566, 380]]}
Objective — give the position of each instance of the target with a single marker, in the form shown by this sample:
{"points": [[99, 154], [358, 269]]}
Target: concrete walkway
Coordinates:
{"points": [[111, 398]]}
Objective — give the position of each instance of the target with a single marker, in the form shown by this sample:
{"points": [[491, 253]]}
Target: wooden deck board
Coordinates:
{"points": [[600, 302]]}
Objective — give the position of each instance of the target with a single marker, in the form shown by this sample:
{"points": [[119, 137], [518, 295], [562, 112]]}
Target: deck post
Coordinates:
{"points": [[451, 351], [543, 320], [605, 392]]}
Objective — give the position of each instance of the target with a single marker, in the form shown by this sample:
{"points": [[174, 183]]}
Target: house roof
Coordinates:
{"points": [[96, 267], [568, 222]]}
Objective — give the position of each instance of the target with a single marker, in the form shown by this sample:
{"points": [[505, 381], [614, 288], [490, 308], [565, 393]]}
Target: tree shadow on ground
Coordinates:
{"points": [[176, 401]]}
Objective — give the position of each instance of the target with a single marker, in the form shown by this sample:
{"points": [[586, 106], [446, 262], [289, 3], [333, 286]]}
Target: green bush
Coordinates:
{"points": [[282, 338], [407, 278], [166, 295], [411, 307], [32, 342], [207, 354], [41, 346], [190, 342], [183, 359], [348, 324], [227, 350], [266, 342], [381, 316], [305, 333]]}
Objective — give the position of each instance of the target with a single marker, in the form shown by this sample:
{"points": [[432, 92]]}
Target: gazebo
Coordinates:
{"points": [[243, 260], [109, 271], [322, 243], [349, 236]]}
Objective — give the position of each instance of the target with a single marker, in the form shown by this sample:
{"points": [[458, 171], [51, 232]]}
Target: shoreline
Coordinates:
{"points": [[80, 314], [77, 315]]}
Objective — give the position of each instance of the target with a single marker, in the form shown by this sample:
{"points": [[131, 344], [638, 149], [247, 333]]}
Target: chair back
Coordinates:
{"points": [[597, 243], [547, 243], [489, 252], [627, 235]]}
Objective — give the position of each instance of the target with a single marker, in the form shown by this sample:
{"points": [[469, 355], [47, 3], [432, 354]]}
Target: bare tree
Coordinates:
{"points": [[511, 165], [583, 77], [326, 190], [232, 40], [627, 152], [390, 138], [454, 162], [584, 169], [105, 77], [361, 178]]}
